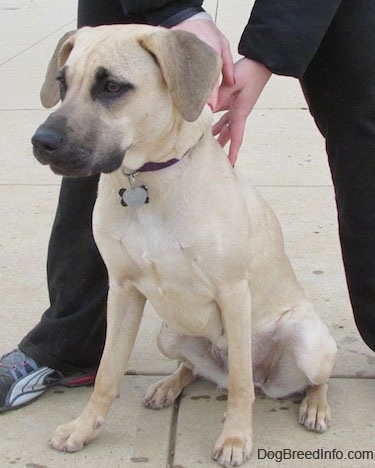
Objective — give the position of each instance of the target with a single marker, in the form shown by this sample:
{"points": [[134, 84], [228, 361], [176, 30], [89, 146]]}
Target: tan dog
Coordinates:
{"points": [[176, 226]]}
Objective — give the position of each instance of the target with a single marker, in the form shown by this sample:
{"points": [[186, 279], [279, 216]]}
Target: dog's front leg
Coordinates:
{"points": [[234, 445], [125, 307]]}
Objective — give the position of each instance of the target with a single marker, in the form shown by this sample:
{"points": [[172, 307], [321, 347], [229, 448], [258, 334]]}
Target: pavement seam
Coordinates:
{"points": [[173, 433], [34, 44]]}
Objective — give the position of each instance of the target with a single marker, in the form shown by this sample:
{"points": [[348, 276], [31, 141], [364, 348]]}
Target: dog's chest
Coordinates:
{"points": [[171, 267], [176, 250], [166, 261]]}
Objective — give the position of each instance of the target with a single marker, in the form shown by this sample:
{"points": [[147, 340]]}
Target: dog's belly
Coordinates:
{"points": [[275, 371]]}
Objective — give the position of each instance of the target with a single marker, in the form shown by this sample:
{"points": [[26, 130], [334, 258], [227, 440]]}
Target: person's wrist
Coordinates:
{"points": [[253, 64], [181, 16], [203, 15]]}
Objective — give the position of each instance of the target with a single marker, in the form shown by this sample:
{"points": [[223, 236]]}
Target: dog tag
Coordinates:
{"points": [[134, 196]]}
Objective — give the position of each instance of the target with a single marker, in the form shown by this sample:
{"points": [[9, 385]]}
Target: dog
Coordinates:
{"points": [[178, 227]]}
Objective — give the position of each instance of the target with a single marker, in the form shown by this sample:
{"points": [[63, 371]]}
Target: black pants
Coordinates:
{"points": [[340, 89], [339, 86]]}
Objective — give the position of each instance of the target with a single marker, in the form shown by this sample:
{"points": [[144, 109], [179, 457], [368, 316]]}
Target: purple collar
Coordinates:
{"points": [[151, 166], [155, 166]]}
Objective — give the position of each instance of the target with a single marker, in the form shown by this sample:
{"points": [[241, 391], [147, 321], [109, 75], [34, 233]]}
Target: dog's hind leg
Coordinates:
{"points": [[125, 307], [315, 412], [165, 392], [315, 354], [195, 354]]}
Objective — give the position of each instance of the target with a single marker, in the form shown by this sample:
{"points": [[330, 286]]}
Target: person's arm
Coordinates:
{"points": [[250, 79], [284, 35], [281, 37]]}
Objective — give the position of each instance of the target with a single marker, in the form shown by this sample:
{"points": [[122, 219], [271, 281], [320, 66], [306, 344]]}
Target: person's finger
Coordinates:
{"points": [[223, 97], [228, 64], [237, 131], [222, 130], [212, 100], [227, 80], [226, 130], [219, 124], [224, 137]]}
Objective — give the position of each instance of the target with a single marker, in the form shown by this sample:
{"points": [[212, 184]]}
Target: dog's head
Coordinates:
{"points": [[124, 90]]}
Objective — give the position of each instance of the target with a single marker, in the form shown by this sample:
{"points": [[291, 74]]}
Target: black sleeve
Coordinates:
{"points": [[165, 13], [284, 35]]}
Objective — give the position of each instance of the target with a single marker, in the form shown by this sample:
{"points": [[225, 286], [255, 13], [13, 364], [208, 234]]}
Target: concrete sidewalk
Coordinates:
{"points": [[284, 155]]}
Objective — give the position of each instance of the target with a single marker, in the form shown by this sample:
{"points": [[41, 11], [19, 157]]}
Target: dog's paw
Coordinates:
{"points": [[72, 437], [163, 393], [233, 450], [315, 414]]}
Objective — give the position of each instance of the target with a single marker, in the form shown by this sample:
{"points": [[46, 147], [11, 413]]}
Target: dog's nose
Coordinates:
{"points": [[46, 140]]}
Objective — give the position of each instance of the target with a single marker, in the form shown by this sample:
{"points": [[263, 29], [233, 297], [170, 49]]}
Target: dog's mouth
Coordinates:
{"points": [[76, 170], [70, 172], [107, 164]]}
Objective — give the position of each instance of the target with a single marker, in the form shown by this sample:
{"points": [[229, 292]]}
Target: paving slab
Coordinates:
{"points": [[19, 167], [25, 72], [27, 215], [277, 431], [132, 435], [33, 20], [282, 147]]}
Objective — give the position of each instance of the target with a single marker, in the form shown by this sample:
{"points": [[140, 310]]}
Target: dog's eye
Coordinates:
{"points": [[61, 80], [107, 89], [63, 86], [112, 87], [61, 77]]}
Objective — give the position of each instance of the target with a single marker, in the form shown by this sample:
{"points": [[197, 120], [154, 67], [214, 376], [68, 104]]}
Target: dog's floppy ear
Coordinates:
{"points": [[189, 66], [50, 92]]}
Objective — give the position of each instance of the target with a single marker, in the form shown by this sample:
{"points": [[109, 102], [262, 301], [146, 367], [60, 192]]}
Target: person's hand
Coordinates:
{"points": [[208, 32], [239, 99]]}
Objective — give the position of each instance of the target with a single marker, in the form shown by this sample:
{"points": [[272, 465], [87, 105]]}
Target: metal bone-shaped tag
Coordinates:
{"points": [[134, 196]]}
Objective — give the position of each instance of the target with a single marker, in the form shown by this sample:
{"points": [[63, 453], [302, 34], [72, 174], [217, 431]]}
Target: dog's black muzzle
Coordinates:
{"points": [[52, 146], [72, 154], [46, 141]]}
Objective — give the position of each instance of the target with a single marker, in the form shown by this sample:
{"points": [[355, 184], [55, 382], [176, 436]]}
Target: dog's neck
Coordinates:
{"points": [[157, 166], [168, 149], [152, 166]]}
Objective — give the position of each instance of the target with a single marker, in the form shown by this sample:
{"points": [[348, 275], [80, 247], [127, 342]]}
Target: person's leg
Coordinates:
{"points": [[339, 87], [71, 333]]}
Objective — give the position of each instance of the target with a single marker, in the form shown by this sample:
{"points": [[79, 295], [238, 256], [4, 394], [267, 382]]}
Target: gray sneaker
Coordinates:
{"points": [[22, 380]]}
